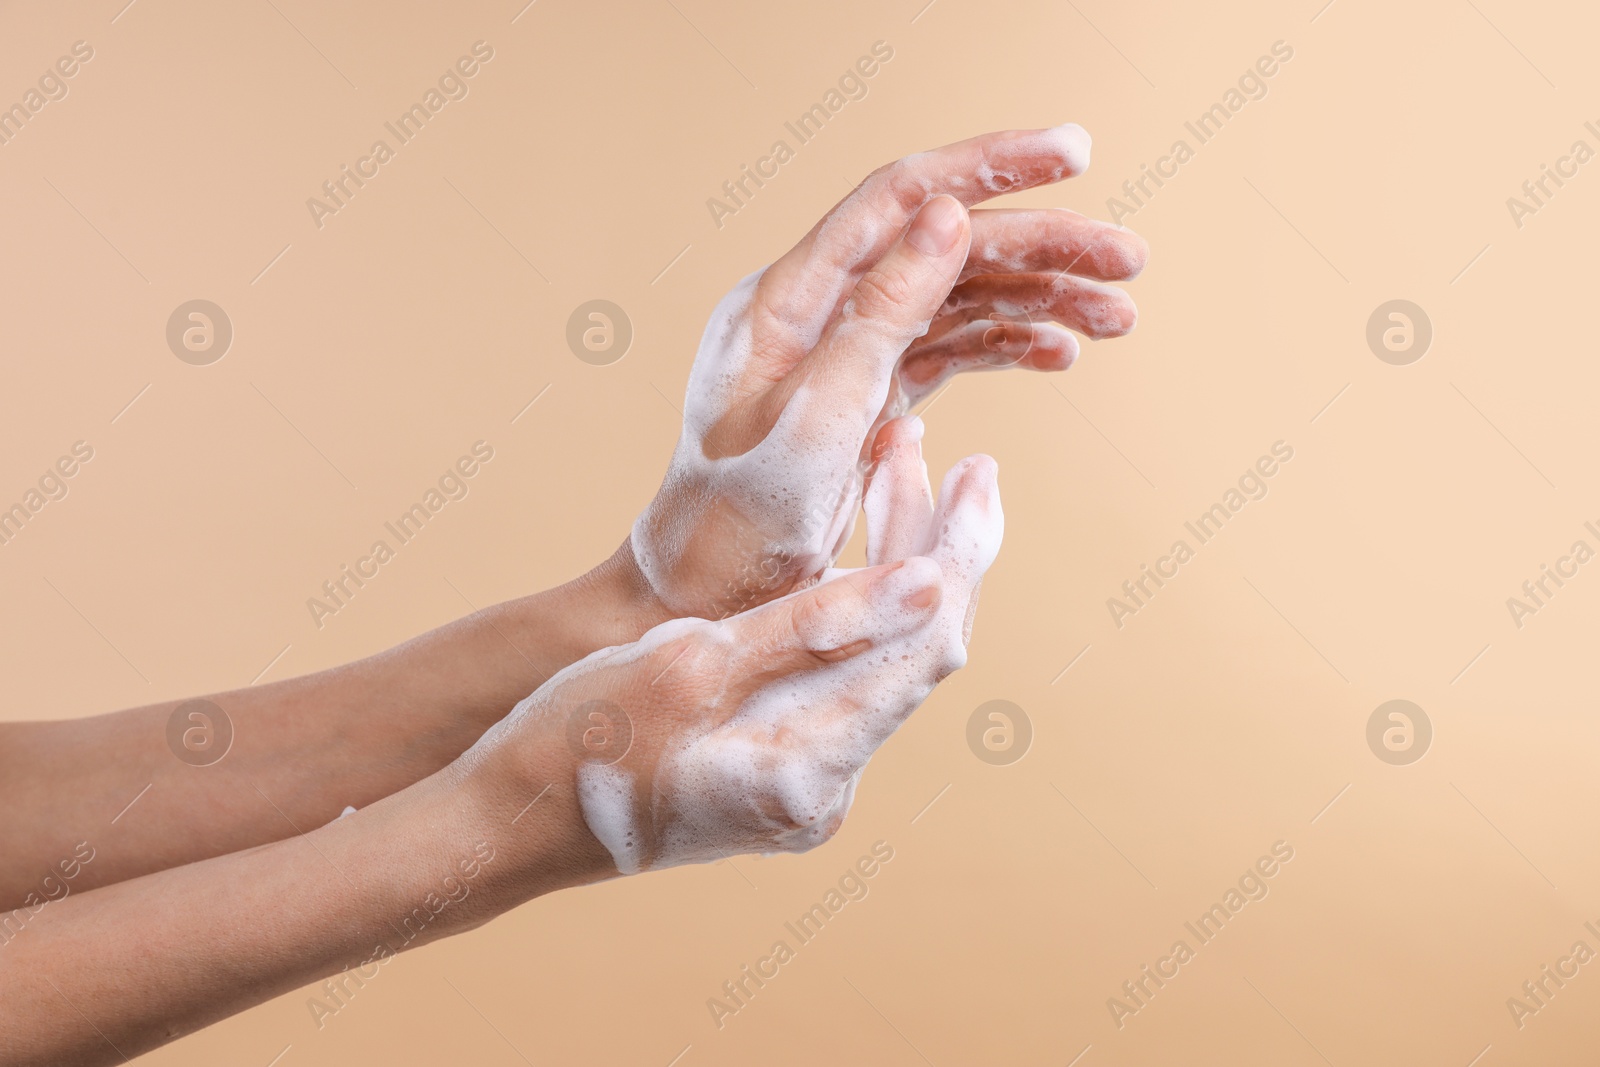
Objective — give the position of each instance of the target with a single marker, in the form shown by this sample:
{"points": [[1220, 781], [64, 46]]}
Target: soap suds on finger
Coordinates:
{"points": [[779, 771]]}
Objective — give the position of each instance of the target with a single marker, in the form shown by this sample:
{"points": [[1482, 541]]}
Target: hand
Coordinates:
{"points": [[749, 734], [803, 362]]}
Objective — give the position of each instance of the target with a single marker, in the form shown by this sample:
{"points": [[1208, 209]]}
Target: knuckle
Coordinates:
{"points": [[804, 832], [900, 182], [806, 617], [884, 291], [954, 659], [813, 622]]}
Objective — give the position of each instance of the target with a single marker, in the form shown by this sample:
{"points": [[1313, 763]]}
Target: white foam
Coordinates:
{"points": [[786, 488], [605, 794], [778, 772], [790, 490]]}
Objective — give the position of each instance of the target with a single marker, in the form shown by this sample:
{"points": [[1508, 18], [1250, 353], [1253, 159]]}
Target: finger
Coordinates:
{"points": [[838, 390], [832, 622], [982, 346], [1052, 240], [968, 528], [1095, 310], [898, 502], [969, 521], [808, 803], [969, 525], [804, 288]]}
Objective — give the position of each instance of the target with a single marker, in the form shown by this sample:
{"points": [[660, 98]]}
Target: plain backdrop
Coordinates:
{"points": [[1228, 714]]}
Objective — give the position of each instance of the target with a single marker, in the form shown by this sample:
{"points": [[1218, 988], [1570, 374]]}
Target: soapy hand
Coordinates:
{"points": [[705, 739], [697, 740], [803, 362]]}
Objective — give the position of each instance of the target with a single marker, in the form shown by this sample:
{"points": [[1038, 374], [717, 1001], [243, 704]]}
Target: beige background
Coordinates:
{"points": [[1224, 717]]}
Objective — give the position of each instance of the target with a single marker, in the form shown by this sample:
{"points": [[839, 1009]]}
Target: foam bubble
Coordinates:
{"points": [[605, 795], [780, 771], [787, 488]]}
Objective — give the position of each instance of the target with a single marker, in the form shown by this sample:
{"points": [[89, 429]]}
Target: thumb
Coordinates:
{"points": [[891, 306], [833, 621]]}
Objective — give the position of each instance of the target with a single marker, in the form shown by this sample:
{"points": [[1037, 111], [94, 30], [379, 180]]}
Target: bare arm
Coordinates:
{"points": [[807, 361], [747, 733], [301, 751], [107, 975], [709, 738]]}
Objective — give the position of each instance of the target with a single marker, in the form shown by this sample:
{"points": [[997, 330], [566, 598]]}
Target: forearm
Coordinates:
{"points": [[110, 974], [301, 751]]}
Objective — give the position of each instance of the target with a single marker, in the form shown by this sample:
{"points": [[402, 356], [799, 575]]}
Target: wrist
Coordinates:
{"points": [[609, 605], [517, 791], [618, 603]]}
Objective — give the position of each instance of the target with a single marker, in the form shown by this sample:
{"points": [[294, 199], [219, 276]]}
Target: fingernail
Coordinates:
{"points": [[937, 226]]}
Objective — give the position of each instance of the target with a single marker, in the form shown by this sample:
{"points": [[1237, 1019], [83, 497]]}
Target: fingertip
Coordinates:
{"points": [[980, 467], [1132, 255], [1127, 318], [972, 482], [986, 472], [1075, 144], [971, 521], [1115, 316], [1052, 348]]}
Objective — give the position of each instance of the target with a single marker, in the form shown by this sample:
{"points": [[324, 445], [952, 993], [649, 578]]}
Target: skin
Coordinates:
{"points": [[818, 351], [223, 886], [785, 704]]}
